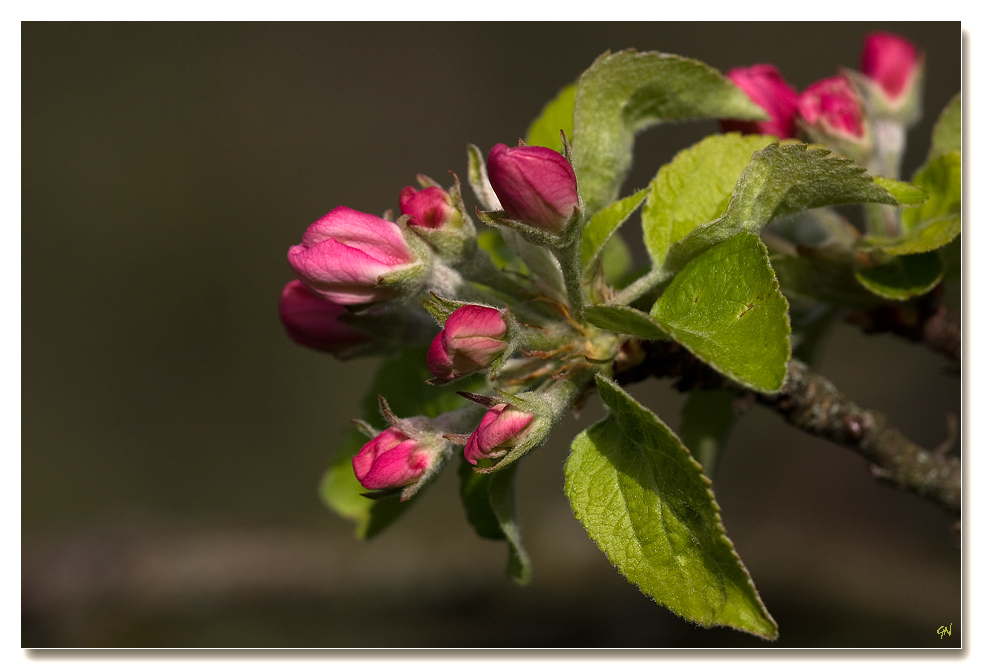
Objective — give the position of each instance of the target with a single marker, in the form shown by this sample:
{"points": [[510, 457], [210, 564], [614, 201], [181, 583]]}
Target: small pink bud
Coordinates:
{"points": [[343, 255], [890, 61], [428, 208], [764, 85], [471, 339], [502, 427], [831, 106], [390, 460], [312, 321], [534, 184]]}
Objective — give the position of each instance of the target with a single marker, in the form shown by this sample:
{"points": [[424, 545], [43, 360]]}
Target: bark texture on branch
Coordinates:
{"points": [[814, 405]]}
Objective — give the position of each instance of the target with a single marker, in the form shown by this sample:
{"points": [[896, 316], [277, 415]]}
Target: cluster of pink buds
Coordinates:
{"points": [[349, 259], [351, 266], [835, 111]]}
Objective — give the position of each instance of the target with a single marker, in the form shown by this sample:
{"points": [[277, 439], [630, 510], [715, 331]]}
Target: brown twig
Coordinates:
{"points": [[814, 405]]}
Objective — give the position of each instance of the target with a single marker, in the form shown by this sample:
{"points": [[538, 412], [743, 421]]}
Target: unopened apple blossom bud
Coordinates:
{"points": [[892, 62], [313, 321], [502, 428], [767, 88], [391, 460], [428, 208], [471, 339], [830, 112], [534, 184], [344, 255]]}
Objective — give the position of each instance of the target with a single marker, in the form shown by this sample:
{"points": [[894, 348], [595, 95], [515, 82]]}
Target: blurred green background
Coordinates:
{"points": [[173, 437]]}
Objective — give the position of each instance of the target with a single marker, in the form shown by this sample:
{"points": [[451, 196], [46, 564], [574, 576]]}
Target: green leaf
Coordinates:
{"points": [[556, 115], [947, 134], [935, 222], [402, 382], [489, 501], [625, 92], [903, 277], [477, 506], [821, 275], [501, 494], [939, 220], [616, 261], [780, 180], [725, 307], [643, 500], [493, 243], [625, 320], [904, 193], [603, 224], [694, 188], [707, 418]]}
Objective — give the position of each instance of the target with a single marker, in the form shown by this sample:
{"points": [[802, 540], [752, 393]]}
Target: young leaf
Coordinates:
{"points": [[625, 92], [643, 500], [903, 277], [492, 243], [616, 261], [947, 134], [725, 307], [904, 193], [625, 320], [402, 382], [602, 226], [477, 506], [694, 188], [707, 418], [780, 180], [939, 220], [556, 115], [501, 495]]}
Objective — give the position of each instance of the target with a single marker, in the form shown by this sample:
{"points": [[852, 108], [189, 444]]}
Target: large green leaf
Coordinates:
{"points": [[694, 188], [781, 179], [625, 92], [947, 134], [556, 115], [726, 308], [644, 501], [604, 224], [903, 277], [401, 381], [489, 501]]}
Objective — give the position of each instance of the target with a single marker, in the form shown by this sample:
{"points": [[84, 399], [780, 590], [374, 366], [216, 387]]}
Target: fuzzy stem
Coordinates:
{"points": [[569, 262]]}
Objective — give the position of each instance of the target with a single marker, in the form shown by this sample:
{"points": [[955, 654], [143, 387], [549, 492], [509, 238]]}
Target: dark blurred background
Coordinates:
{"points": [[173, 437]]}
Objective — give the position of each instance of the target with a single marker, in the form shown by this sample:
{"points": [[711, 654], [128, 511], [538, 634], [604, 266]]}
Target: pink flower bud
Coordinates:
{"points": [[471, 339], [831, 106], [429, 208], [312, 321], [534, 184], [390, 460], [502, 427], [343, 255], [890, 61], [764, 85]]}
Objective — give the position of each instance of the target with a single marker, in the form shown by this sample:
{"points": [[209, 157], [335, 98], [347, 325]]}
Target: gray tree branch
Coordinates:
{"points": [[814, 405]]}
